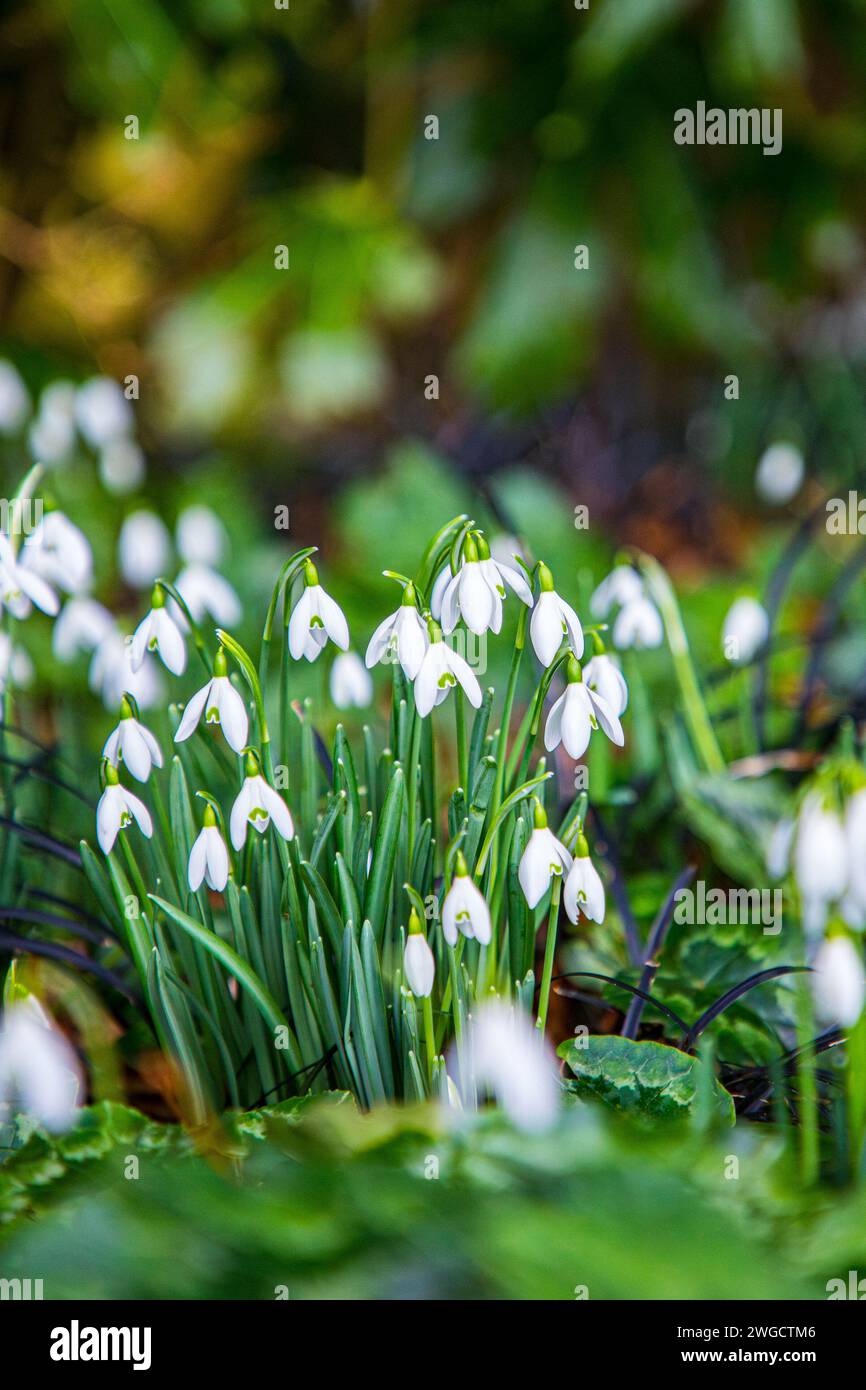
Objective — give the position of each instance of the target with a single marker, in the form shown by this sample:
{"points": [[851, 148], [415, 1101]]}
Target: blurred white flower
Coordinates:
{"points": [[58, 551], [158, 632], [315, 618], [638, 624], [14, 399], [39, 1070], [200, 535], [440, 669], [465, 908], [14, 663], [132, 743], [20, 587], [623, 585], [111, 673], [854, 904], [350, 682], [102, 411], [839, 982], [602, 674], [51, 437], [117, 808], [257, 804], [208, 858], [81, 626], [122, 465], [780, 473], [403, 633], [144, 548], [552, 619], [745, 629], [820, 861], [506, 1055], [206, 594]]}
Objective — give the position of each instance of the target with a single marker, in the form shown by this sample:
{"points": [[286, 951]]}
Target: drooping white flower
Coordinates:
{"points": [[350, 683], [206, 593], [820, 861], [221, 704], [315, 618], [543, 859], [602, 674], [51, 437], [441, 669], [854, 903], [623, 585], [440, 584], [144, 548], [470, 596], [132, 744], [39, 1070], [122, 466], [839, 982], [60, 553], [584, 890], [15, 664], [552, 620], [638, 624], [780, 472], [102, 411], [419, 965], [201, 536], [14, 399], [111, 673], [402, 634], [81, 626], [158, 632], [745, 629], [465, 908], [576, 713], [257, 804], [507, 1056], [117, 809], [21, 587], [208, 858]]}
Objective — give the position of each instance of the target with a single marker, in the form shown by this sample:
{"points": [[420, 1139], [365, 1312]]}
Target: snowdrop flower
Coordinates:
{"points": [[552, 619], [257, 804], [602, 675], [20, 587], [441, 669], [117, 809], [158, 632], [51, 437], [402, 634], [111, 673], [102, 411], [144, 549], [509, 1057], [350, 682], [780, 473], [209, 858], [60, 553], [38, 1068], [820, 861], [81, 626], [470, 595], [543, 859], [440, 584], [745, 629], [623, 585], [315, 618], [201, 537], [132, 743], [638, 624], [839, 982], [854, 904], [419, 967], [584, 890], [122, 466], [576, 713], [14, 663], [221, 704], [14, 399], [206, 592], [464, 908]]}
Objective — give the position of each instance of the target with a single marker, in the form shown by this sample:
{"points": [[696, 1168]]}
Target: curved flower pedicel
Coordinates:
{"points": [[221, 704], [552, 619], [543, 859], [208, 858], [315, 618], [465, 908], [584, 890], [117, 809], [441, 669], [133, 744], [257, 804], [576, 713], [158, 632]]}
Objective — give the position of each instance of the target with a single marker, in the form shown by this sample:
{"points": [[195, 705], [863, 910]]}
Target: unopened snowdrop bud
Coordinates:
{"points": [[209, 858], [638, 624], [780, 473], [14, 399], [158, 632], [820, 862], [464, 908], [221, 704], [584, 890], [552, 620], [839, 982], [102, 411], [506, 1055], [257, 804], [440, 670], [419, 967], [39, 1071], [603, 676], [543, 859], [144, 549], [576, 713], [59, 552], [403, 634], [201, 537], [350, 682], [117, 809], [745, 629], [315, 618], [132, 743], [20, 587]]}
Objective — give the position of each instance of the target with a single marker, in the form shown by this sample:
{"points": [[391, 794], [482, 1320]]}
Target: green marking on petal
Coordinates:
{"points": [[446, 680]]}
